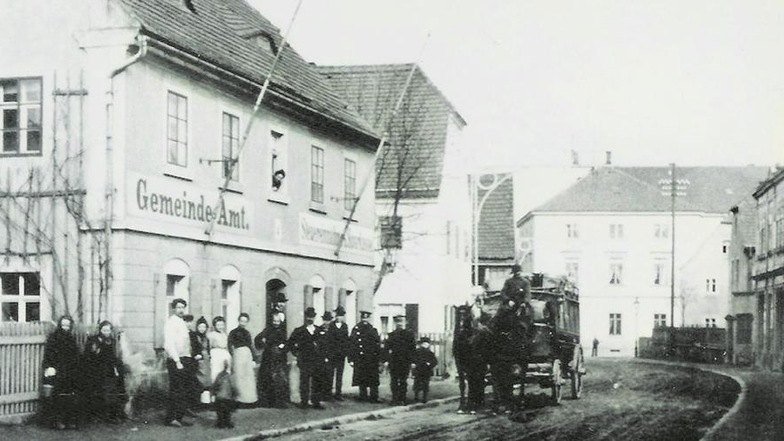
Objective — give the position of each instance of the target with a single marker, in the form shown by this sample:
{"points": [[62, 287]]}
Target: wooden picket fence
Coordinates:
{"points": [[21, 359]]}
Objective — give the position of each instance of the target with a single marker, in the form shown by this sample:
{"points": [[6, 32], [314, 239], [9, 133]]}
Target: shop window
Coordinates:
{"points": [[615, 324], [20, 296], [177, 129], [20, 124], [231, 146], [317, 174]]}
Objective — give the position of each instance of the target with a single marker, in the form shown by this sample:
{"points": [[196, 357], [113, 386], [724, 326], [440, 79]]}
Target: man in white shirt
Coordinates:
{"points": [[177, 343]]}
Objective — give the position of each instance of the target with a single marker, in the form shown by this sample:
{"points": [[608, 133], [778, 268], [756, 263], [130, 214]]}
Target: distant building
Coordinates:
{"points": [[495, 227], [421, 187], [611, 234], [743, 301], [768, 274]]}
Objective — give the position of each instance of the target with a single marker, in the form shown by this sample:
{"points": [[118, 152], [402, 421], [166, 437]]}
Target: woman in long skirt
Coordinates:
{"points": [[243, 361], [203, 360], [219, 347], [104, 375], [273, 385], [61, 369]]}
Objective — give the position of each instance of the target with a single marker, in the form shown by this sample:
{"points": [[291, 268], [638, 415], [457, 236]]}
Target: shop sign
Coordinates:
{"points": [[165, 200], [326, 232]]}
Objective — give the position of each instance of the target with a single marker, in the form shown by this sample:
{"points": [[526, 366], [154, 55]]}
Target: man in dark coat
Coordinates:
{"points": [[363, 356], [306, 343], [61, 374], [273, 380], [517, 289], [400, 347], [424, 363], [337, 350]]}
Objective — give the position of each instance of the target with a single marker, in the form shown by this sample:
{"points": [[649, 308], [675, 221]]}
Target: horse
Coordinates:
{"points": [[469, 347]]}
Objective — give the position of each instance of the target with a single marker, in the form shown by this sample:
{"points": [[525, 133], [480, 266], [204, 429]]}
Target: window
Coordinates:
{"points": [[661, 231], [615, 324], [710, 322], [20, 103], [571, 231], [724, 249], [659, 320], [317, 174], [659, 273], [177, 130], [710, 285], [278, 161], [572, 271], [780, 232], [616, 231], [735, 274], [231, 145], [616, 273], [230, 299], [349, 184], [20, 296]]}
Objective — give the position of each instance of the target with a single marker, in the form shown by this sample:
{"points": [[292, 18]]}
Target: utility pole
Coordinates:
{"points": [[672, 245]]}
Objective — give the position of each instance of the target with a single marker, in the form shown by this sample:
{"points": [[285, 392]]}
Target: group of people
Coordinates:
{"points": [[210, 366], [80, 386]]}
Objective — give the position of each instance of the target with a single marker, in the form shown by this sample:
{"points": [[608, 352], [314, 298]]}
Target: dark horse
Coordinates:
{"points": [[509, 348], [470, 349]]}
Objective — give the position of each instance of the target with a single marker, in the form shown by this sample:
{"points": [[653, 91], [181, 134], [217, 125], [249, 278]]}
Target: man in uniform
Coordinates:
{"points": [[400, 347], [306, 344], [364, 355], [517, 289], [337, 350]]}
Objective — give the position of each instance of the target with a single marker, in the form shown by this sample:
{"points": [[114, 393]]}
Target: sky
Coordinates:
{"points": [[699, 82]]}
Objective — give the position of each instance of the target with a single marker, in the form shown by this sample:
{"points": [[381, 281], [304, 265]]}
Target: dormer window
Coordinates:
{"points": [[264, 41]]}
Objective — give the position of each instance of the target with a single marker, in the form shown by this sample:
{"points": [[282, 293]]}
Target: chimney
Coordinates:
{"points": [[608, 156]]}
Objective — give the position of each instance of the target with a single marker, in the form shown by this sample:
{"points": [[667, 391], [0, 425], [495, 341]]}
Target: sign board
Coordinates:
{"points": [[325, 232]]}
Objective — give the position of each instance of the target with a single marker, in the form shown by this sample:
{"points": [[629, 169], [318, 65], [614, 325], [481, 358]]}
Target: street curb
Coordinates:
{"points": [[711, 433], [340, 420]]}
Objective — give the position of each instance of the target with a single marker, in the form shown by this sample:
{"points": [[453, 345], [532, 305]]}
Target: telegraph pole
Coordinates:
{"points": [[672, 245]]}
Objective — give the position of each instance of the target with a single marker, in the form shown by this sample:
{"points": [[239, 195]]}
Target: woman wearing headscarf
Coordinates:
{"points": [[242, 356], [203, 359], [104, 375], [219, 347], [61, 368]]}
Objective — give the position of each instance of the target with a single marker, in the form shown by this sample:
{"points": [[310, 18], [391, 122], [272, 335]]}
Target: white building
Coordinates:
{"points": [[611, 232], [421, 179]]}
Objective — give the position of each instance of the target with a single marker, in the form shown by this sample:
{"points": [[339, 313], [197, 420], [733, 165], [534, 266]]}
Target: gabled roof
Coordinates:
{"points": [[414, 159], [221, 32], [644, 189], [496, 224], [772, 180]]}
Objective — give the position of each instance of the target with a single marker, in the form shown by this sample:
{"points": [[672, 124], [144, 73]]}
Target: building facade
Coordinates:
{"points": [[767, 274], [421, 188], [128, 182], [743, 303], [611, 233]]}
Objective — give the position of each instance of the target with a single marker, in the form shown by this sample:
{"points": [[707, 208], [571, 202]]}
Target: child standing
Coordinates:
{"points": [[224, 392], [424, 363]]}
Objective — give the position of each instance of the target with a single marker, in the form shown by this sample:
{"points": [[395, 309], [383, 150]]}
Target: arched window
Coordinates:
{"points": [[178, 280], [230, 282], [319, 296], [347, 298]]}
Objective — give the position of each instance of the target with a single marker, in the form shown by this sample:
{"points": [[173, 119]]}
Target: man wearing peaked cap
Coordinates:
{"points": [[517, 289], [337, 349], [400, 348], [305, 344], [364, 353]]}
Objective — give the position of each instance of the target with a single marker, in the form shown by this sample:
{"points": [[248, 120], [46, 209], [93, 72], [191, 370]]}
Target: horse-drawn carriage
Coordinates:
{"points": [[542, 346]]}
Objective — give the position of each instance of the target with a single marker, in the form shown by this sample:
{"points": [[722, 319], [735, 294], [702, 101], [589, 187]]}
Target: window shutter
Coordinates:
{"points": [[342, 298], [362, 304], [329, 299], [308, 296], [215, 298], [160, 309]]}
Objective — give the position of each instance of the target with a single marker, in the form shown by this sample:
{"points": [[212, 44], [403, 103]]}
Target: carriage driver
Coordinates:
{"points": [[517, 289]]}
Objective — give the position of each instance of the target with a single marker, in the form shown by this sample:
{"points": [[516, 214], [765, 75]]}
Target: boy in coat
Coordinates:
{"points": [[424, 363]]}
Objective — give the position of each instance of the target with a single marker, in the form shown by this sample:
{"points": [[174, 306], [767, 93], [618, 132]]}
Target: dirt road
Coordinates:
{"points": [[621, 401]]}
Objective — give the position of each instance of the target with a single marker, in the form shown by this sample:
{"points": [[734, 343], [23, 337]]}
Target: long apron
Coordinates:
{"points": [[218, 357], [244, 378]]}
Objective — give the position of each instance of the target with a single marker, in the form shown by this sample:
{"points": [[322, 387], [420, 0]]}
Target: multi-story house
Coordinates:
{"points": [[611, 233], [422, 192], [128, 179], [495, 247], [743, 300], [767, 273]]}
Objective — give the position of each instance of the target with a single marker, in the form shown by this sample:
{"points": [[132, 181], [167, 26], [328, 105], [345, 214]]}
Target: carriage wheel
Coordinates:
{"points": [[555, 392], [577, 377]]}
